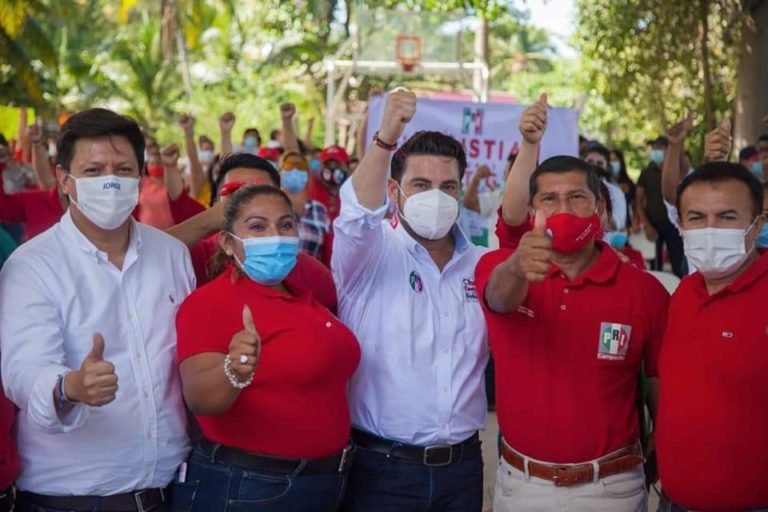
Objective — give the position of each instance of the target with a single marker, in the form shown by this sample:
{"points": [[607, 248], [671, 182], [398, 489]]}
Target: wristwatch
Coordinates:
{"points": [[63, 400]]}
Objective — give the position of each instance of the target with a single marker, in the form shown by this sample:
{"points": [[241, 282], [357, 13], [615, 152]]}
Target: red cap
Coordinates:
{"points": [[269, 153], [337, 153], [231, 187]]}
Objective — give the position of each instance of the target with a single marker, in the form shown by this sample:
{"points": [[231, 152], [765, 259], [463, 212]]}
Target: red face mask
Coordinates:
{"points": [[571, 233], [155, 170]]}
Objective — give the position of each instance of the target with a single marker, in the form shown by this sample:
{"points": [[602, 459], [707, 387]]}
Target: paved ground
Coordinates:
{"points": [[492, 460]]}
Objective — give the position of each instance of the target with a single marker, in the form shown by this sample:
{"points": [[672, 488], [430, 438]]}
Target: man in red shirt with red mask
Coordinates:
{"points": [[570, 327]]}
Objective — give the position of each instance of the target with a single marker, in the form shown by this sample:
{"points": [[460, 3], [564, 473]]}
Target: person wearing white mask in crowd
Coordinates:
{"points": [[88, 337], [408, 293], [710, 435]]}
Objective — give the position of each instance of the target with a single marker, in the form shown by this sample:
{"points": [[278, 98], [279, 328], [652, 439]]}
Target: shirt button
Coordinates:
{"points": [[445, 390], [562, 307], [138, 355], [565, 290], [327, 324]]}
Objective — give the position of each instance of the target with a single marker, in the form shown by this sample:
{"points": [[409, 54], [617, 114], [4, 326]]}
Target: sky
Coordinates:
{"points": [[556, 16]]}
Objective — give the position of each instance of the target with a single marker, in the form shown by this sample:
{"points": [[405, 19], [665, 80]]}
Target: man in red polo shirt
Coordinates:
{"points": [[570, 326], [713, 411]]}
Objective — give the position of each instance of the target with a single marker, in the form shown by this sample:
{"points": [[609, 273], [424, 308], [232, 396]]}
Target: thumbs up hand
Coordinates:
{"points": [[533, 122], [95, 383], [245, 347], [717, 143], [534, 254]]}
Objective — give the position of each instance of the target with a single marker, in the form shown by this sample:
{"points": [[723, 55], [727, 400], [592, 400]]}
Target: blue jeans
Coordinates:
{"points": [[378, 483], [34, 508], [215, 486]]}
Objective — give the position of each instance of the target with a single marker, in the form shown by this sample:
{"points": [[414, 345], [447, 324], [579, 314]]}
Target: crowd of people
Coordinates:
{"points": [[275, 327]]}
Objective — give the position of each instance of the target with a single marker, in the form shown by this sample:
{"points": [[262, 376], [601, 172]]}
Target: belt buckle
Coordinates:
{"points": [[347, 456], [429, 449], [140, 504]]}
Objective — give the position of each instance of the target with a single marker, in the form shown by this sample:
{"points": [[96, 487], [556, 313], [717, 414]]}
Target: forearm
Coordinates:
{"points": [[208, 391], [640, 203], [361, 137], [173, 182], [42, 167], [290, 139], [194, 229], [308, 134], [370, 178], [514, 206], [506, 289], [471, 201], [196, 174], [671, 172], [226, 143]]}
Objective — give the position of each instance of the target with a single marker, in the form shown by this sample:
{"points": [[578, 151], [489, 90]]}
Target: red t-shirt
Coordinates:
{"points": [[9, 457], [567, 360], [308, 274], [41, 209], [321, 193], [297, 404], [635, 256], [712, 428], [509, 236]]}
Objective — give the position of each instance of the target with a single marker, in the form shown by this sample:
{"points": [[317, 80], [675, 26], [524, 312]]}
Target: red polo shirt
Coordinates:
{"points": [[308, 274], [297, 404], [509, 236], [712, 429], [321, 193], [567, 360]]}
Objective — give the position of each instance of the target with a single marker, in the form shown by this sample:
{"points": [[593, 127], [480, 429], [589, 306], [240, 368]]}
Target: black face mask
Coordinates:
{"points": [[334, 177]]}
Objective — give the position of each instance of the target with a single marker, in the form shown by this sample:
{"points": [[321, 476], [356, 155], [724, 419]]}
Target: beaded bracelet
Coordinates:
{"points": [[231, 376]]}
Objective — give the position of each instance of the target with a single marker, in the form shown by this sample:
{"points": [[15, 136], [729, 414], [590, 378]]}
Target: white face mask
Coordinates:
{"points": [[717, 252], [430, 214], [206, 156], [107, 201]]}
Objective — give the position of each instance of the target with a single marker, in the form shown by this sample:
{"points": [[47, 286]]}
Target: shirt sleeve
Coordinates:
{"points": [[484, 270], [657, 301], [359, 240], [32, 347], [509, 236], [196, 333], [672, 213], [643, 179], [184, 207]]}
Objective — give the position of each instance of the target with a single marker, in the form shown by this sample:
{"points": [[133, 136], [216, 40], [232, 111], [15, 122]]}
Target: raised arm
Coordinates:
{"points": [[533, 124], [717, 143], [308, 134], [194, 229], [172, 175], [370, 178], [672, 171], [290, 139], [196, 175], [226, 122], [40, 164], [508, 285], [471, 195]]}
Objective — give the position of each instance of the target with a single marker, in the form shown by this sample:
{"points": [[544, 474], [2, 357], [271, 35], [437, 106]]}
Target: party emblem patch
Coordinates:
{"points": [[614, 341]]}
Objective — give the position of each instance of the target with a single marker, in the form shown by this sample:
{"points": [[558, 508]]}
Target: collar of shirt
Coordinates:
{"points": [[601, 271], [81, 241], [756, 271]]}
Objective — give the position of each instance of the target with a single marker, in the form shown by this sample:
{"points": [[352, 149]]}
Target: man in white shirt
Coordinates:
{"points": [[408, 293], [88, 336]]}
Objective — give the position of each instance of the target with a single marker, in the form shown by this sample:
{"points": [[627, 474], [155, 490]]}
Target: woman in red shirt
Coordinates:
{"points": [[265, 370]]}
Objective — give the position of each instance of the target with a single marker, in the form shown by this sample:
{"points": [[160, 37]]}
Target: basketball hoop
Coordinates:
{"points": [[408, 52]]}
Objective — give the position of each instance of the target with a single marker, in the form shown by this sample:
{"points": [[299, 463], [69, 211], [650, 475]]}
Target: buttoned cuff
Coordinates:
{"points": [[41, 407], [353, 211]]}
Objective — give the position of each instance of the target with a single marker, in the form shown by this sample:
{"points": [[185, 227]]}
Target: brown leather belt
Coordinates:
{"points": [[140, 501], [568, 475]]}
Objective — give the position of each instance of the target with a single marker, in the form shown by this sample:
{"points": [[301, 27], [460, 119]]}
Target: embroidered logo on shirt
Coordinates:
{"points": [[470, 291], [527, 312], [614, 341], [415, 280], [727, 335]]}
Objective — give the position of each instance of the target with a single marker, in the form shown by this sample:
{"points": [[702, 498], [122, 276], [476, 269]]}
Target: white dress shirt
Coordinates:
{"points": [[618, 205], [422, 331], [56, 291]]}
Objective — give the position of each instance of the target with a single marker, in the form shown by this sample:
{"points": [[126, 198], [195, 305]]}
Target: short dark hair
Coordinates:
{"points": [[273, 134], [716, 172], [247, 161], [97, 122], [237, 199], [763, 137], [605, 194], [254, 131], [596, 147], [747, 153], [560, 165], [3, 140], [427, 142]]}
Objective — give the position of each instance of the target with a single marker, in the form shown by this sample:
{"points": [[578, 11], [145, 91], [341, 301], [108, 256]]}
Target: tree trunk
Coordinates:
{"points": [[709, 101], [752, 89], [481, 54]]}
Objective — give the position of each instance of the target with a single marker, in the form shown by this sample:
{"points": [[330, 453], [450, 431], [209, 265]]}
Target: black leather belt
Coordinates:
{"points": [[436, 455], [140, 501], [337, 463]]}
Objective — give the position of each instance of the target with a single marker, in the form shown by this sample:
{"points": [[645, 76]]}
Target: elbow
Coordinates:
{"points": [[509, 217], [205, 403]]}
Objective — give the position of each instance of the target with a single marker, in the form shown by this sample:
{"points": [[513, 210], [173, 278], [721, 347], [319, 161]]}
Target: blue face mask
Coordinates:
{"points": [[294, 180], [762, 238], [315, 165], [616, 167], [251, 143], [617, 239], [757, 169], [269, 259], [657, 156]]}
